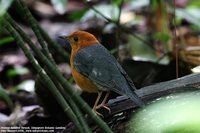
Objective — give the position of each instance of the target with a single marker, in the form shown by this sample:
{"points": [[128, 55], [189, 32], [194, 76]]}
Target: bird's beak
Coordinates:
{"points": [[64, 37]]}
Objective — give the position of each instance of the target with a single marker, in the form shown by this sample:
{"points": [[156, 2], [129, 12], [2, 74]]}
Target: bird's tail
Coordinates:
{"points": [[136, 99]]}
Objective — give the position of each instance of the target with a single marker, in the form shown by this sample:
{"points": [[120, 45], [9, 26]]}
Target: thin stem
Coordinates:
{"points": [[175, 42], [101, 14], [117, 36], [120, 11]]}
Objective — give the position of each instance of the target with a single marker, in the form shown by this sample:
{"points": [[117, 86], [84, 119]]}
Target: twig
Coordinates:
{"points": [[123, 28], [118, 23], [175, 42], [98, 12], [120, 12]]}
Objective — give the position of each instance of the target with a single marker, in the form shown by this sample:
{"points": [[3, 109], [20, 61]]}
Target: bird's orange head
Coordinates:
{"points": [[80, 39]]}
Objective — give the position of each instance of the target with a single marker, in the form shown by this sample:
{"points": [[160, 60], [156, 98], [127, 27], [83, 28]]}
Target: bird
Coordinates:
{"points": [[96, 70]]}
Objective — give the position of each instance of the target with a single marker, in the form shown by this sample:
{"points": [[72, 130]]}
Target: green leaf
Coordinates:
{"points": [[194, 4], [116, 2], [76, 15], [59, 5], [4, 96], [6, 40], [160, 36], [175, 113], [17, 71]]}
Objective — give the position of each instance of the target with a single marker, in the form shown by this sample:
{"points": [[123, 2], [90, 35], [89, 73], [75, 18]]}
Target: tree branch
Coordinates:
{"points": [[148, 93]]}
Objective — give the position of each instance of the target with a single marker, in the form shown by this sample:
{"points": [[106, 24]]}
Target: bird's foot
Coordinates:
{"points": [[99, 114], [103, 106]]}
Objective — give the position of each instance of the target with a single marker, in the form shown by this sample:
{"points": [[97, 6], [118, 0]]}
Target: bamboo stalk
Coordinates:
{"points": [[54, 45], [32, 22], [44, 76], [65, 95], [74, 107], [54, 71], [45, 36]]}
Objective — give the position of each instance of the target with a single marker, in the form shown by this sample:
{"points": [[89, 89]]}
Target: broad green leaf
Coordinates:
{"points": [[175, 113], [59, 5], [160, 36]]}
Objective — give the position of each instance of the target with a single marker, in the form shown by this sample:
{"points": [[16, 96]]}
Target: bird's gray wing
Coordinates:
{"points": [[97, 64], [93, 63]]}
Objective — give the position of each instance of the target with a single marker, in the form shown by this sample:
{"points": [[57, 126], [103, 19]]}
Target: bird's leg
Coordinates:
{"points": [[97, 101], [103, 103]]}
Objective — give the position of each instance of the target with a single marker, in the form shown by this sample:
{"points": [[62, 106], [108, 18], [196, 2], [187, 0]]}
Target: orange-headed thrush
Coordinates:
{"points": [[95, 70]]}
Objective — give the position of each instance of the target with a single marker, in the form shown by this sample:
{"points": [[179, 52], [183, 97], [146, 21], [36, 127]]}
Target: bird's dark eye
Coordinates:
{"points": [[76, 39]]}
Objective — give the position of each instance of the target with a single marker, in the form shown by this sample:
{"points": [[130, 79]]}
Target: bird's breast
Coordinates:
{"points": [[83, 82]]}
